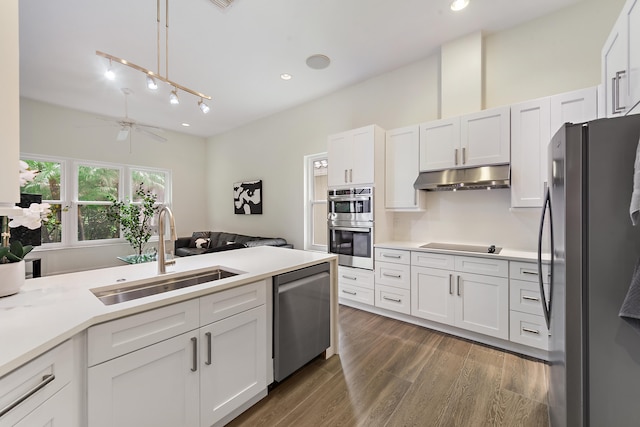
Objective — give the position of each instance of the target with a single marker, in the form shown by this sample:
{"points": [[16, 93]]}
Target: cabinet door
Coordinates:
{"points": [[485, 137], [361, 170], [154, 386], [614, 72], [432, 294], [340, 152], [530, 134], [233, 363], [573, 107], [482, 304], [439, 144], [401, 168], [632, 14]]}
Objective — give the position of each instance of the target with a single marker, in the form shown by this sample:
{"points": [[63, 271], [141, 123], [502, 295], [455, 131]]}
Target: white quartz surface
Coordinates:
{"points": [[505, 253], [49, 310]]}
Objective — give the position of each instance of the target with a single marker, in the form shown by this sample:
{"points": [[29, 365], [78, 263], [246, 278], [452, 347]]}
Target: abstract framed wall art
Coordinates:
{"points": [[247, 197]]}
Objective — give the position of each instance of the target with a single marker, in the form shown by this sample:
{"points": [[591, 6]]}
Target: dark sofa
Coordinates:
{"points": [[202, 242]]}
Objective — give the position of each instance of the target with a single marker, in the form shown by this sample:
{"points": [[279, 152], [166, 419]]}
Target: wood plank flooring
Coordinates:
{"points": [[390, 373]]}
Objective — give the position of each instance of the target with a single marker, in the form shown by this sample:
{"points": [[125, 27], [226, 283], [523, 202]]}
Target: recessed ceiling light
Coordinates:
{"points": [[458, 5], [318, 62], [186, 125], [285, 76]]}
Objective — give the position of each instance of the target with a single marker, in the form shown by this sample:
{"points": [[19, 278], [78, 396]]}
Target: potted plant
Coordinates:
{"points": [[134, 220]]}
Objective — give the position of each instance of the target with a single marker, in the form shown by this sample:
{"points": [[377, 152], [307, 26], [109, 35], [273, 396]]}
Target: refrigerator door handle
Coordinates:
{"points": [[543, 297]]}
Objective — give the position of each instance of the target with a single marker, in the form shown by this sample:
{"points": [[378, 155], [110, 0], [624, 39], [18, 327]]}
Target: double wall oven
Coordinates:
{"points": [[350, 225]]}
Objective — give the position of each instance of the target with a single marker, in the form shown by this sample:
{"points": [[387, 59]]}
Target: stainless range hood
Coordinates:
{"points": [[478, 178]]}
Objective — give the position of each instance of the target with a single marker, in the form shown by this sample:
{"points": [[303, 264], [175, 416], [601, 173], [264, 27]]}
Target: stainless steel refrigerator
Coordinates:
{"points": [[594, 373]]}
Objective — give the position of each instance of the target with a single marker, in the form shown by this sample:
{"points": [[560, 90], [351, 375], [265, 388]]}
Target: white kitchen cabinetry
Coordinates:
{"points": [[393, 280], [533, 123], [402, 147], [467, 292], [356, 284], [477, 139], [352, 156], [163, 368], [43, 392], [527, 325], [621, 62]]}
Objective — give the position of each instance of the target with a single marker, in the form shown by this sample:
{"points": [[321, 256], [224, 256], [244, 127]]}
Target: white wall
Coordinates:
{"points": [[56, 131], [552, 54]]}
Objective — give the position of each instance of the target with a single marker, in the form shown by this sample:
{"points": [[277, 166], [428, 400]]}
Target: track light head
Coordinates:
{"points": [[173, 97], [151, 83], [110, 74], [203, 107]]}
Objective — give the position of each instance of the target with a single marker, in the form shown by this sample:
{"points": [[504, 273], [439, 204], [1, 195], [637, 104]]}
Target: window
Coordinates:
{"points": [[81, 192], [316, 202]]}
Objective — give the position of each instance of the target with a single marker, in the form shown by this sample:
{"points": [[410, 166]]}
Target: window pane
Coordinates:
{"points": [[93, 223], [153, 181], [320, 224], [52, 228], [46, 182], [320, 184], [97, 183]]}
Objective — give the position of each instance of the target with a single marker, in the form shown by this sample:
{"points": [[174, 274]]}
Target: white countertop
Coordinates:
{"points": [[50, 310], [505, 253]]}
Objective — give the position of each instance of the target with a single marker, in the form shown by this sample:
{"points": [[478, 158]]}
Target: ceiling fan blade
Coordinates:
{"points": [[123, 133], [149, 127], [151, 134]]}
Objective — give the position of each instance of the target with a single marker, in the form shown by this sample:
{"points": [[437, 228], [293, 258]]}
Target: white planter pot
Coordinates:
{"points": [[13, 276]]}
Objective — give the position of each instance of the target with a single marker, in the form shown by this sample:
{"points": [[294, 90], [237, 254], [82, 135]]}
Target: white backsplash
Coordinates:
{"points": [[473, 217]]}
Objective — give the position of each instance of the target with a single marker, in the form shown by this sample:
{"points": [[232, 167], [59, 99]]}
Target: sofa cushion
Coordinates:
{"points": [[266, 242], [189, 251], [198, 235], [228, 247]]}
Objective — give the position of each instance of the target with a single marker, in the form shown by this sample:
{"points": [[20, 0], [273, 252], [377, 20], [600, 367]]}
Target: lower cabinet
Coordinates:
{"points": [[356, 284], [193, 379]]}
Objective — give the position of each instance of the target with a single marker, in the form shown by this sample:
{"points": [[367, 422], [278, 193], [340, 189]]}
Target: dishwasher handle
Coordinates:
{"points": [[302, 282]]}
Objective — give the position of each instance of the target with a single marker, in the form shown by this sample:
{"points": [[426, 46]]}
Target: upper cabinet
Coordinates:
{"points": [[533, 123], [352, 156], [476, 139], [621, 62], [401, 168]]}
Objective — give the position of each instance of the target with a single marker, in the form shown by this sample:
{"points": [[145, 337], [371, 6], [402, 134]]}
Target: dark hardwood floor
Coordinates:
{"points": [[390, 373]]}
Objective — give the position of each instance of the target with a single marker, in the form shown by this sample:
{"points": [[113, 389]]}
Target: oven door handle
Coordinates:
{"points": [[349, 198], [353, 229]]}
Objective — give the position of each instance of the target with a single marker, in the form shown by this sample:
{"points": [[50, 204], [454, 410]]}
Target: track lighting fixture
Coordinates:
{"points": [[151, 83], [109, 74], [204, 107], [173, 97]]}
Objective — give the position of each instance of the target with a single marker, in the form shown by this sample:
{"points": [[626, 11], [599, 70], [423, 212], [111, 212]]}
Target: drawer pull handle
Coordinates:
{"points": [[391, 256], [531, 331], [527, 297], [533, 273], [398, 300], [349, 292], [45, 380], [395, 276], [208, 361], [194, 366], [349, 277]]}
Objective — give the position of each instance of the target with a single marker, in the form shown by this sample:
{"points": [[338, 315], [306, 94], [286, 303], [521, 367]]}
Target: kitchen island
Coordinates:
{"points": [[51, 311]]}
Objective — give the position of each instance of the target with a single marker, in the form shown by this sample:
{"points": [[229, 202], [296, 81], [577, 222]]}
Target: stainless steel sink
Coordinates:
{"points": [[140, 290], [491, 249]]}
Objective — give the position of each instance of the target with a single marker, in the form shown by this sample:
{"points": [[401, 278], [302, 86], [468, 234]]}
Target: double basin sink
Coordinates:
{"points": [[123, 293]]}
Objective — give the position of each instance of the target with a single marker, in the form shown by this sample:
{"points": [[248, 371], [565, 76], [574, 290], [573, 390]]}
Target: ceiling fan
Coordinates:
{"points": [[127, 124]]}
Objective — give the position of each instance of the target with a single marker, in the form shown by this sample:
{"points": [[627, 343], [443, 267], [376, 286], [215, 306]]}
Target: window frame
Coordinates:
{"points": [[310, 200]]}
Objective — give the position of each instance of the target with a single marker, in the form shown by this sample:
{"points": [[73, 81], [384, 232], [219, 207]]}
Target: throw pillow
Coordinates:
{"points": [[203, 243], [198, 235]]}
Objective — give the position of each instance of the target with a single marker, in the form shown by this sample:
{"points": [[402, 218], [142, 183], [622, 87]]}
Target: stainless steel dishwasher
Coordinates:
{"points": [[301, 318]]}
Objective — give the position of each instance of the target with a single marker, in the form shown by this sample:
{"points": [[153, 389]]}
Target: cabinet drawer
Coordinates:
{"points": [[528, 271], [393, 255], [26, 388], [393, 299], [397, 275], [232, 301], [486, 266], [356, 277], [528, 329], [356, 293], [525, 297], [121, 336], [432, 260]]}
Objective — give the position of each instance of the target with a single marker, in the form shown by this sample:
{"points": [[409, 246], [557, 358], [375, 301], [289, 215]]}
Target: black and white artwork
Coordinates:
{"points": [[247, 197]]}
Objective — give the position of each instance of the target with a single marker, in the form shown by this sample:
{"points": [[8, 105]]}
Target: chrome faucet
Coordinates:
{"points": [[162, 262]]}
